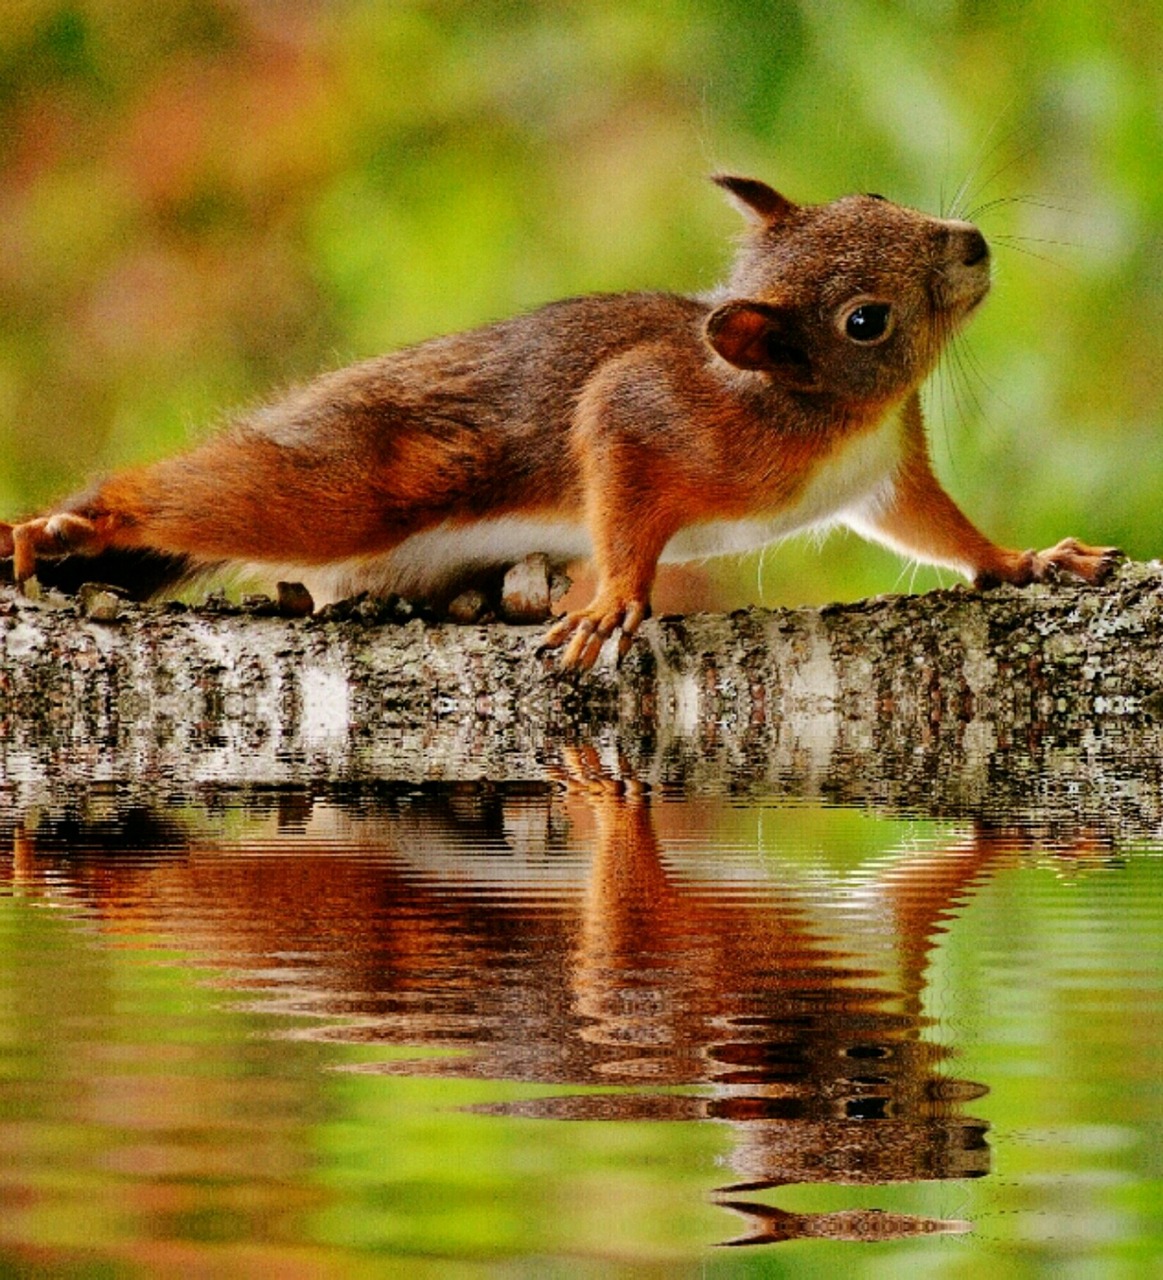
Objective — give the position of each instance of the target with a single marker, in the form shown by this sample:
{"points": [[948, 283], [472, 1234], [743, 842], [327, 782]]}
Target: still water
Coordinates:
{"points": [[574, 1029]]}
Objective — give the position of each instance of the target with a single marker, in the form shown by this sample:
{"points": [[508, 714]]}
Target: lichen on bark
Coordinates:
{"points": [[928, 695]]}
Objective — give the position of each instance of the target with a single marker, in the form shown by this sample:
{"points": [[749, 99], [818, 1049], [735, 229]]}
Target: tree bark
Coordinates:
{"points": [[952, 702]]}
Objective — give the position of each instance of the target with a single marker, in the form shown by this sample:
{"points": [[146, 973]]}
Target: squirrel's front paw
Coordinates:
{"points": [[588, 629], [1092, 564]]}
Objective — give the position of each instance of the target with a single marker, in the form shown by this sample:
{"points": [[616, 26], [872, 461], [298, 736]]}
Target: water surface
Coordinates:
{"points": [[575, 1029]]}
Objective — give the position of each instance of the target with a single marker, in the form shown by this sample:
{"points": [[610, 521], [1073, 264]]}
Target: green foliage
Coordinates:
{"points": [[202, 202]]}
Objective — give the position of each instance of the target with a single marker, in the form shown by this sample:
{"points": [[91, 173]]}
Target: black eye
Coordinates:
{"points": [[868, 322]]}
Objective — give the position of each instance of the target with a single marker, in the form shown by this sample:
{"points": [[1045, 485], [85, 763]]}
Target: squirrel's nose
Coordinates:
{"points": [[969, 245], [976, 248]]}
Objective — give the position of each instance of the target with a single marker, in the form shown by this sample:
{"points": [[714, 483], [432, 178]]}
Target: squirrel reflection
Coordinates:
{"points": [[569, 939], [820, 1065]]}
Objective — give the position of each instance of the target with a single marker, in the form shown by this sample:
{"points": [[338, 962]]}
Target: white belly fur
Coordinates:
{"points": [[425, 563], [857, 478]]}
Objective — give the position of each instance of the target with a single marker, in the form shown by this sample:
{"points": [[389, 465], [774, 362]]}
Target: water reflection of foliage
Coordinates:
{"points": [[581, 940]]}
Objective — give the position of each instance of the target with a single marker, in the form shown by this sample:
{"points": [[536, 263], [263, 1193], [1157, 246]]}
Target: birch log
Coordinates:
{"points": [[947, 701]]}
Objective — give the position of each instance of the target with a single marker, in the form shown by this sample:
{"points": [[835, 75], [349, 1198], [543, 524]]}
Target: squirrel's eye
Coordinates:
{"points": [[868, 322]]}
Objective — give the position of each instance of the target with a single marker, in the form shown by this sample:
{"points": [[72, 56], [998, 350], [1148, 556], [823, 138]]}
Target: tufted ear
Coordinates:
{"points": [[755, 199], [761, 338]]}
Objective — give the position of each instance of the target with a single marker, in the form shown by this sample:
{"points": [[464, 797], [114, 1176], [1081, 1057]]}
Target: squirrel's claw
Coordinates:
{"points": [[589, 629]]}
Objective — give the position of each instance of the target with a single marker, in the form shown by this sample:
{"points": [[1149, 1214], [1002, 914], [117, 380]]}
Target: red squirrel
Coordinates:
{"points": [[636, 428]]}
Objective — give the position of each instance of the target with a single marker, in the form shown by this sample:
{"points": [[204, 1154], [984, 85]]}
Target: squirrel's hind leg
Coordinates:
{"points": [[49, 538]]}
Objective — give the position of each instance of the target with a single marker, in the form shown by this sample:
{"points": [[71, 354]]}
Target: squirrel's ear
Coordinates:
{"points": [[755, 199], [760, 338]]}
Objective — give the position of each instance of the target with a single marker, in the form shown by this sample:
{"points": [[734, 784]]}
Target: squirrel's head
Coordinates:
{"points": [[853, 299]]}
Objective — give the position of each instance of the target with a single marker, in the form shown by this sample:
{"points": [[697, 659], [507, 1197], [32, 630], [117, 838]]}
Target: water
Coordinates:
{"points": [[575, 1030]]}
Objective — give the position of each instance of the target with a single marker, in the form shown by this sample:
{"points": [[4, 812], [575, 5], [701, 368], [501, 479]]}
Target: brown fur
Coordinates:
{"points": [[635, 415]]}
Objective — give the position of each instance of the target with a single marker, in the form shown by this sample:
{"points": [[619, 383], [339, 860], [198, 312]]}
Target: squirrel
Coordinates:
{"points": [[635, 427]]}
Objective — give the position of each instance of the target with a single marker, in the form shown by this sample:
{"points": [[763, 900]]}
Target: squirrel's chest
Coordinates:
{"points": [[856, 473]]}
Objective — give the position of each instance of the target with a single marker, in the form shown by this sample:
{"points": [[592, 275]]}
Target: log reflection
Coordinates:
{"points": [[570, 938]]}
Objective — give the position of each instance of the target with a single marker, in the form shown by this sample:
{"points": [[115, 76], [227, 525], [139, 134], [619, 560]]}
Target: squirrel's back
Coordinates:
{"points": [[471, 426]]}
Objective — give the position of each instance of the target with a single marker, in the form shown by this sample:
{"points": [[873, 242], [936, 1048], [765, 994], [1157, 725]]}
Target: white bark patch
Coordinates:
{"points": [[325, 718]]}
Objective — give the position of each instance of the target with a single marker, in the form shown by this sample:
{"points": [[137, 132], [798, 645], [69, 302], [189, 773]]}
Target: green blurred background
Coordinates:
{"points": [[203, 201]]}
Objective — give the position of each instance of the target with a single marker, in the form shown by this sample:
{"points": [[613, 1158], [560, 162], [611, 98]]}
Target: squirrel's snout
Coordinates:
{"points": [[963, 267]]}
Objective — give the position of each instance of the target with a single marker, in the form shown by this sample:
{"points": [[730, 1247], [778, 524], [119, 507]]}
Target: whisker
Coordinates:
{"points": [[950, 407], [1014, 160], [950, 403], [974, 365], [958, 384], [1008, 243], [984, 152], [1033, 202], [1012, 240], [990, 387], [970, 391], [965, 398], [953, 402], [942, 383], [761, 590]]}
